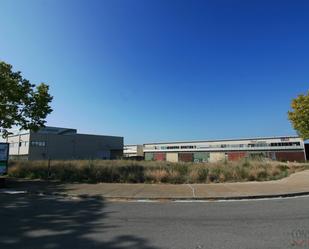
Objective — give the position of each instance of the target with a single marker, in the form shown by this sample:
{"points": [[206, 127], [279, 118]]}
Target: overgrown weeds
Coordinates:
{"points": [[122, 171]]}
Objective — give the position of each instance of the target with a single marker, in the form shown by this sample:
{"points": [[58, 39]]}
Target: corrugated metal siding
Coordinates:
{"points": [[201, 156], [172, 157], [148, 156], [235, 156], [159, 156], [290, 156], [216, 156], [185, 157], [116, 154]]}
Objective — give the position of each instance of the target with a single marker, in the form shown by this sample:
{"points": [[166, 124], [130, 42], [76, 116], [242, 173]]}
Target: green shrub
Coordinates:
{"points": [[131, 174], [262, 175], [202, 174], [181, 168], [240, 173], [214, 174], [246, 163]]}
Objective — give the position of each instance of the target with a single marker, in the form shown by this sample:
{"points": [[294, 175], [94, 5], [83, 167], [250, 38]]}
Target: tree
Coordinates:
{"points": [[300, 115], [22, 104]]}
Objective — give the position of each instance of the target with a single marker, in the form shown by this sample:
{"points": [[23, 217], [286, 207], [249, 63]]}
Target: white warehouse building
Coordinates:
{"points": [[284, 148], [63, 144]]}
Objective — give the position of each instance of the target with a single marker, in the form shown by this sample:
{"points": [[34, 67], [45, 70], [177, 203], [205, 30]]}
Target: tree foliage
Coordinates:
{"points": [[22, 104], [300, 115]]}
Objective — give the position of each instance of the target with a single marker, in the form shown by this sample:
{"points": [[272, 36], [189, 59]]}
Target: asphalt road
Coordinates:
{"points": [[52, 222]]}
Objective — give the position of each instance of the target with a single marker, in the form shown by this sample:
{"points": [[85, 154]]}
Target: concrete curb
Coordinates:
{"points": [[171, 199], [229, 198]]}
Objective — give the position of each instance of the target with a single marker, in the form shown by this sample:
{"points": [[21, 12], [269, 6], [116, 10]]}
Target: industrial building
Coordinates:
{"points": [[63, 144], [133, 151], [288, 148]]}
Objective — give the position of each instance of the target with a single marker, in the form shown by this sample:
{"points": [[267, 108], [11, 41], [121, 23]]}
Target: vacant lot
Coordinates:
{"points": [[121, 171]]}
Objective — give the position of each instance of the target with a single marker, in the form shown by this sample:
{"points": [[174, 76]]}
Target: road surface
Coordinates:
{"points": [[30, 222]]}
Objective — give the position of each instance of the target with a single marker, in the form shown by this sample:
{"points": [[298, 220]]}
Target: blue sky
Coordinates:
{"points": [[152, 70]]}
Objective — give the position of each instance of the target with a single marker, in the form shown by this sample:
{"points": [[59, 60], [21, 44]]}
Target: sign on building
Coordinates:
{"points": [[4, 156]]}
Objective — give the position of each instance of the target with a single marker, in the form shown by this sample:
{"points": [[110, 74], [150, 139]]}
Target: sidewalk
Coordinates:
{"points": [[296, 184]]}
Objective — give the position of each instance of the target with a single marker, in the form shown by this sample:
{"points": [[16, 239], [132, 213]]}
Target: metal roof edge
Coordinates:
{"points": [[219, 140]]}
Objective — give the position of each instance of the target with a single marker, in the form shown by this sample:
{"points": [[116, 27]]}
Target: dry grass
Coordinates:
{"points": [[122, 171], [157, 175]]}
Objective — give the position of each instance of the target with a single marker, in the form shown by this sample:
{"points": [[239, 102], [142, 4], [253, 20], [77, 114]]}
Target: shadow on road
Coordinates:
{"points": [[32, 221]]}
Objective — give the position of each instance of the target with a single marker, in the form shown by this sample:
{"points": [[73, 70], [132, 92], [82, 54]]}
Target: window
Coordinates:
{"points": [[261, 145], [38, 143], [188, 147], [286, 144], [172, 147]]}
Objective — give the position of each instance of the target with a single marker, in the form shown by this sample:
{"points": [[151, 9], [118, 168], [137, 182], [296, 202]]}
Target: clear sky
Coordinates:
{"points": [[154, 70]]}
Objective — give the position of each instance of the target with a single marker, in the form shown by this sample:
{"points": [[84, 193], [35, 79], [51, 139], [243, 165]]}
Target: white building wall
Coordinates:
{"points": [[65, 145], [133, 150], [19, 144]]}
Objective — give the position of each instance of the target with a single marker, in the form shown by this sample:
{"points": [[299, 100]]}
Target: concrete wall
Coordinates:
{"points": [[216, 156], [172, 157], [140, 150]]}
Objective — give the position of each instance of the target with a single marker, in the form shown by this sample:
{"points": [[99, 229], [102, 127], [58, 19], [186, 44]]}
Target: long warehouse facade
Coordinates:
{"points": [[288, 148]]}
